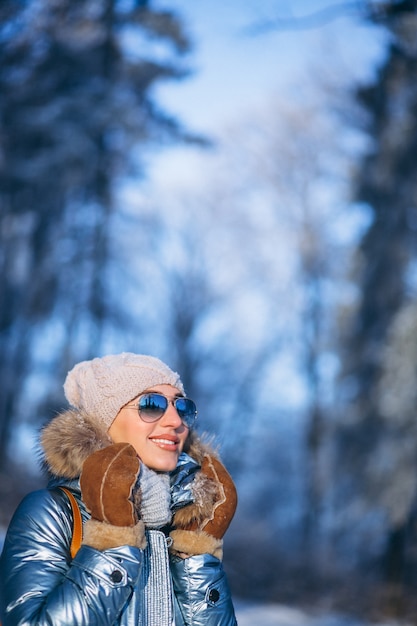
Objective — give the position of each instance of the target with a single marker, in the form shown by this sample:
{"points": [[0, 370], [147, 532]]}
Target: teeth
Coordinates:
{"points": [[167, 441]]}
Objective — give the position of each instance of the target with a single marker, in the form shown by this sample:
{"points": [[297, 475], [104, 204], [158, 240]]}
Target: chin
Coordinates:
{"points": [[161, 465], [165, 466]]}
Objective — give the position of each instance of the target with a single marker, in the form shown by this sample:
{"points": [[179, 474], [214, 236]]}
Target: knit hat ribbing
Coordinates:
{"points": [[102, 386]]}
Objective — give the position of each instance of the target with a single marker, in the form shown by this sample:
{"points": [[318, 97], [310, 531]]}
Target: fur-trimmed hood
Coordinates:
{"points": [[72, 436]]}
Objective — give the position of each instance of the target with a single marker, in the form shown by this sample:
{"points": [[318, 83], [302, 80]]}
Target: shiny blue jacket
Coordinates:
{"points": [[41, 585]]}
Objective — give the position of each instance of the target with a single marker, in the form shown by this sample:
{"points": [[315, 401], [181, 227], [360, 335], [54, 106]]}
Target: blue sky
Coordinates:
{"points": [[235, 72], [241, 69]]}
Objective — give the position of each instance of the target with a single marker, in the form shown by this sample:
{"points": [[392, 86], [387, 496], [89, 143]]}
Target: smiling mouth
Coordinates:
{"points": [[165, 442]]}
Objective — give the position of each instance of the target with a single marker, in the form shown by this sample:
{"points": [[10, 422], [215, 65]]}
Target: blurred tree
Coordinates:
{"points": [[76, 85], [266, 301], [302, 165], [175, 279], [387, 186]]}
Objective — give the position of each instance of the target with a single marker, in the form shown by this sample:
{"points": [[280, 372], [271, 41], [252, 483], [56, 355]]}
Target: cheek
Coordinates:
{"points": [[128, 431], [138, 436]]}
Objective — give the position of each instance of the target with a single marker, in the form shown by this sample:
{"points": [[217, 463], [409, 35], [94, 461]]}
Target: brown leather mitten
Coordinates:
{"points": [[198, 528], [107, 482]]}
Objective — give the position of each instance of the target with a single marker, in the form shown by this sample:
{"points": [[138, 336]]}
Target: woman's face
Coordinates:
{"points": [[159, 443]]}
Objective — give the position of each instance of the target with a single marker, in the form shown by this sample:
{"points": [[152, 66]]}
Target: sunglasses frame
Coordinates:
{"points": [[186, 421]]}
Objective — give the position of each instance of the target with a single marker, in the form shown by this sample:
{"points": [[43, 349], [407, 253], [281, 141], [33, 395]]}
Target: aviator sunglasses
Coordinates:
{"points": [[152, 406]]}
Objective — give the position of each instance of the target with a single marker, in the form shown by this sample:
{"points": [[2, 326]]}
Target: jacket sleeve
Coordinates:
{"points": [[42, 586], [201, 592]]}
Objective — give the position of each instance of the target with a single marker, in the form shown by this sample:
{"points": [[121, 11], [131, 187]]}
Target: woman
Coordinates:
{"points": [[155, 504]]}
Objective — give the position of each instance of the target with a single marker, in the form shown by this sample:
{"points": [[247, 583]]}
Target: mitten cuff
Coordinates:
{"points": [[103, 536], [196, 542]]}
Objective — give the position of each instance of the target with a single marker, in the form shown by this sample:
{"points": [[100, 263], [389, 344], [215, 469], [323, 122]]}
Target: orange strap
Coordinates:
{"points": [[77, 530]]}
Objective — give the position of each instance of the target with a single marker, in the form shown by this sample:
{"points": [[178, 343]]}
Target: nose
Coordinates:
{"points": [[171, 417]]}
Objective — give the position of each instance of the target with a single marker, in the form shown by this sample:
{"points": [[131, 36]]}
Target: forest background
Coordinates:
{"points": [[282, 283]]}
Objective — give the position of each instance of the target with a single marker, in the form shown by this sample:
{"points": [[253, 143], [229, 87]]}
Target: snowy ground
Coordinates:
{"points": [[249, 614]]}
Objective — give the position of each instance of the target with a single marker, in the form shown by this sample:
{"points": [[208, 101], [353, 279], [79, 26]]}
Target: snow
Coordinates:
{"points": [[269, 615], [251, 614]]}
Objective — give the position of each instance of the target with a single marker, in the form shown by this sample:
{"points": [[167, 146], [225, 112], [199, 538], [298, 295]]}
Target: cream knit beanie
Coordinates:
{"points": [[101, 387]]}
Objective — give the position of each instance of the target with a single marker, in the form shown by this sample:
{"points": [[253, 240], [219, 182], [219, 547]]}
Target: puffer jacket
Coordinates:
{"points": [[42, 585]]}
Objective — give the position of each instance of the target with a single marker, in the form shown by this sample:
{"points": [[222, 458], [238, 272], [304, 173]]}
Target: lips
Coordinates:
{"points": [[166, 440]]}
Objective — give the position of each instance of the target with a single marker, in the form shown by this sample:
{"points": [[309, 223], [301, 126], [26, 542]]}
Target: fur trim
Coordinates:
{"points": [[196, 542], [103, 536], [198, 447], [68, 440], [73, 435], [206, 493]]}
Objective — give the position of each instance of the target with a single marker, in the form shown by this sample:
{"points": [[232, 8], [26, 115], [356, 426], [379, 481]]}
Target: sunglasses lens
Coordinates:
{"points": [[187, 410], [152, 406]]}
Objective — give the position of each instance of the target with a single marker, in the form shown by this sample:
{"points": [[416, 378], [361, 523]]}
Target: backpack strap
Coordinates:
{"points": [[77, 529]]}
